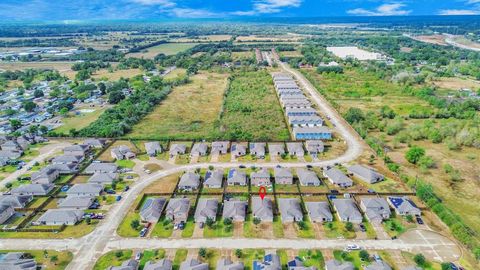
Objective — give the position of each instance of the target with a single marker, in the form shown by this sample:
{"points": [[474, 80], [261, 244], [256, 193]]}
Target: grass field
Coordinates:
{"points": [[104, 74], [63, 67], [252, 110], [79, 121], [167, 49], [112, 258], [47, 258], [189, 112]]}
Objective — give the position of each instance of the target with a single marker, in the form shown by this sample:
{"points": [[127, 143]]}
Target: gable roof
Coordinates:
{"points": [[237, 176], [178, 206], [189, 179], [337, 177], [193, 264], [61, 216], [206, 208], [227, 264], [282, 172], [262, 209], [270, 262], [85, 188], [378, 265], [152, 147], [106, 167], [376, 208], [290, 209], [17, 261], [365, 172], [234, 209], [319, 210], [262, 173], [75, 202], [33, 188], [152, 209], [294, 147], [16, 201], [337, 265], [307, 177], [103, 178], [164, 264], [214, 178], [347, 209]]}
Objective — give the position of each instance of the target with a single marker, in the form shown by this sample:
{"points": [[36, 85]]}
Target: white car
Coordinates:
{"points": [[352, 247]]}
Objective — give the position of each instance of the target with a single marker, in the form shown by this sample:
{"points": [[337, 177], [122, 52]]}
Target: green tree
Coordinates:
{"points": [[202, 252], [354, 115], [414, 154], [227, 221], [63, 111], [83, 75], [210, 222], [118, 253], [419, 259], [88, 220], [349, 226], [256, 221], [102, 88], [15, 123], [135, 224], [38, 93], [363, 254], [29, 106], [54, 259], [446, 266], [238, 253]]}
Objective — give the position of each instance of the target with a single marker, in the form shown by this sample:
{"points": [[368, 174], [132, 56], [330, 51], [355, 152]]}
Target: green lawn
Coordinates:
{"points": [[125, 163], [112, 258], [218, 230], [125, 230], [371, 234], [250, 255], [151, 255], [278, 227], [78, 121], [308, 231], [189, 227], [180, 256], [336, 229], [395, 226], [352, 256], [312, 258], [51, 259], [282, 254], [166, 48], [162, 229]]}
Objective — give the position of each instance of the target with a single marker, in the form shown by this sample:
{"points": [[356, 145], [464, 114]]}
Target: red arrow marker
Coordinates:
{"points": [[262, 192]]}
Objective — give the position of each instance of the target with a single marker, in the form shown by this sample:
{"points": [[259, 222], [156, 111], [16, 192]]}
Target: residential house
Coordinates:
{"points": [[189, 181], [305, 120], [283, 176], [376, 209], [76, 150], [67, 159], [199, 149], [82, 190], [270, 262], [319, 211], [315, 147], [295, 149], [404, 206], [103, 178], [33, 189], [60, 216], [290, 210], [152, 209], [297, 264], [95, 143], [258, 149], [11, 145], [228, 264], [122, 152], [337, 265], [238, 150], [292, 97], [10, 155], [46, 175], [16, 201], [312, 133], [17, 261], [99, 167], [347, 211], [337, 177], [177, 149], [378, 265], [276, 149], [365, 173], [178, 209], [206, 209], [193, 264], [75, 202], [236, 177], [262, 209], [153, 148], [64, 168], [260, 178], [126, 265], [307, 177], [220, 147], [213, 179], [6, 212], [164, 264], [234, 209]]}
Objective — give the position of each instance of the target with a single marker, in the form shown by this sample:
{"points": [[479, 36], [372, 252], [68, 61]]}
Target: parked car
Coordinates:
{"points": [[126, 188], [118, 198], [453, 266], [331, 197], [420, 221], [377, 258], [110, 191], [371, 191], [362, 228], [334, 191], [242, 166], [181, 225], [65, 188], [129, 177], [143, 232], [138, 255], [352, 247]]}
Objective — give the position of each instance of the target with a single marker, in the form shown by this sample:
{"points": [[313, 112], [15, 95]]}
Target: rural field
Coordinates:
{"points": [[65, 68], [167, 49], [84, 118], [104, 74], [189, 112], [252, 110]]}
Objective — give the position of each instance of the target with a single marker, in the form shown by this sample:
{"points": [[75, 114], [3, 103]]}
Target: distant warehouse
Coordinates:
{"points": [[312, 133]]}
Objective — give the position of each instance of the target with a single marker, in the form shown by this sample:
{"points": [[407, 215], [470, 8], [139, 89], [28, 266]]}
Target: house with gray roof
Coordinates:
{"points": [[17, 261], [262, 209], [403, 206], [260, 178], [236, 177], [315, 147], [76, 150], [376, 209], [228, 264], [103, 178], [412, 267], [337, 177], [238, 150], [378, 265], [206, 209], [11, 145], [82, 190], [258, 149], [276, 149], [189, 181], [126, 265], [292, 97], [33, 189], [295, 149], [64, 168], [199, 149], [193, 264], [67, 159], [177, 149], [337, 265], [101, 167], [283, 176], [7, 154], [220, 147], [305, 120], [75, 202], [95, 143], [153, 148], [61, 216], [365, 173], [152, 209], [234, 209], [270, 262], [122, 152], [319, 211], [290, 210], [164, 264], [307, 177], [6, 212], [347, 211], [178, 209], [213, 179], [46, 175], [16, 201]]}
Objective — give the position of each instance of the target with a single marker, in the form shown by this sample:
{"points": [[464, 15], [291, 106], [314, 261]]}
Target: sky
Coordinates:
{"points": [[50, 10]]}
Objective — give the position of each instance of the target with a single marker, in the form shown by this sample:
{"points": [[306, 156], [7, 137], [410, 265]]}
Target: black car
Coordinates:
{"points": [[334, 191], [362, 228], [242, 166], [420, 221]]}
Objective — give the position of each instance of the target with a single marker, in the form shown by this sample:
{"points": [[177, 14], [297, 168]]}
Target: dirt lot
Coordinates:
{"points": [[164, 185], [433, 39], [456, 83]]}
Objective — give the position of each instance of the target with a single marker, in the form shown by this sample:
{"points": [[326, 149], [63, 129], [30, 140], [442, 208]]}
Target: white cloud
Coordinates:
{"points": [[393, 9], [473, 1], [162, 3], [268, 6], [458, 12], [192, 13]]}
